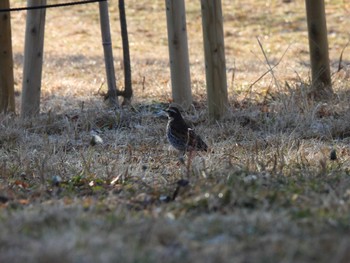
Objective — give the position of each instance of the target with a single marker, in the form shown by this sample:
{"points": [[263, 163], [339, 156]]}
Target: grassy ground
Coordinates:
{"points": [[267, 191]]}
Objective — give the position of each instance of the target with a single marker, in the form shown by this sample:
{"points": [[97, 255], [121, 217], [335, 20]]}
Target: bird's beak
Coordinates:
{"points": [[164, 113]]}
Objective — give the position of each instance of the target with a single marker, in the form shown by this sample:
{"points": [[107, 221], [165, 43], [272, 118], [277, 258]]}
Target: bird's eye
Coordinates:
{"points": [[171, 111]]}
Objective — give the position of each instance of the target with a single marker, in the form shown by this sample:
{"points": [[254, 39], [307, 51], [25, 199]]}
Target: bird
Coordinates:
{"points": [[180, 135]]}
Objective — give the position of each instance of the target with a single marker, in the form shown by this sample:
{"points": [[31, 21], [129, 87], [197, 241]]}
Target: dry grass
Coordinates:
{"points": [[267, 191]]}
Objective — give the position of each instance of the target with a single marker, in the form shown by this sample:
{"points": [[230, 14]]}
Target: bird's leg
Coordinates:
{"points": [[189, 162], [182, 157], [188, 137]]}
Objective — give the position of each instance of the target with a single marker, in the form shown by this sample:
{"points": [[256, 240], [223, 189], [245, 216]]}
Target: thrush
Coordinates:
{"points": [[180, 135]]}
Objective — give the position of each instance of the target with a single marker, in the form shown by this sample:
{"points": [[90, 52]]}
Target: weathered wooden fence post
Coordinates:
{"points": [[7, 98], [178, 52], [215, 65], [33, 59], [126, 54], [108, 53], [318, 44]]}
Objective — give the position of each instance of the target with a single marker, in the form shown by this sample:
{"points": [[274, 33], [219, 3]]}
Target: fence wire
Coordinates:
{"points": [[49, 6]]}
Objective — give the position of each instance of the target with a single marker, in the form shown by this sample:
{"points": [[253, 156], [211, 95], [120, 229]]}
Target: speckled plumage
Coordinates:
{"points": [[180, 135]]}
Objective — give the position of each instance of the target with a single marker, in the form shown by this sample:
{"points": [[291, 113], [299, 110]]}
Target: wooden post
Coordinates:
{"points": [[33, 59], [215, 65], [318, 44], [126, 54], [178, 52], [108, 53], [7, 98]]}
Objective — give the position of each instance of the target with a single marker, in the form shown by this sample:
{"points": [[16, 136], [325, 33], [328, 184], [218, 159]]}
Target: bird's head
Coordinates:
{"points": [[173, 113]]}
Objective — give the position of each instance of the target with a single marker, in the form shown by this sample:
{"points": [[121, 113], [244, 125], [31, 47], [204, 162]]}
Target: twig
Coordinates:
{"points": [[267, 61], [270, 68], [341, 57]]}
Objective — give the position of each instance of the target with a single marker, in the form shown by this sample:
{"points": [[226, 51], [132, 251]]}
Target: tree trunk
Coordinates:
{"points": [[108, 53], [215, 65], [7, 98], [126, 54], [33, 59], [178, 53], [318, 44]]}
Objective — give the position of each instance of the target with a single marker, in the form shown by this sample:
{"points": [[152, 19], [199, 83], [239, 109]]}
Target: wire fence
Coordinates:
{"points": [[49, 6]]}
